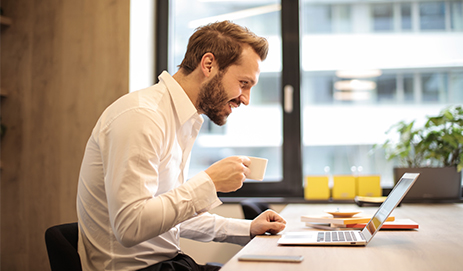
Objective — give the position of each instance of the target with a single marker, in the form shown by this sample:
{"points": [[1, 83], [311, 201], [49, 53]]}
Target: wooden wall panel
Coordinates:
{"points": [[62, 63]]}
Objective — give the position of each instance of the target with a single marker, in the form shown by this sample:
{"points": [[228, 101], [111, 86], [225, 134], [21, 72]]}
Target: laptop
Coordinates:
{"points": [[355, 238]]}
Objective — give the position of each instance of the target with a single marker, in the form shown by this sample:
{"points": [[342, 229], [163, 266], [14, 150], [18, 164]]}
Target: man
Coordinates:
{"points": [[133, 200]]}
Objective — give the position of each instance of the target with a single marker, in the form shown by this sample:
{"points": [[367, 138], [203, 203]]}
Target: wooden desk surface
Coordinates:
{"points": [[437, 245]]}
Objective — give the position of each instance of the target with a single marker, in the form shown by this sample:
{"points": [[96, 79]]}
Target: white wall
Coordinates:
{"points": [[142, 44]]}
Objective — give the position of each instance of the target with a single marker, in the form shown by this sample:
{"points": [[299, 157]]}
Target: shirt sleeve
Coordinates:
{"points": [[210, 227], [131, 147]]}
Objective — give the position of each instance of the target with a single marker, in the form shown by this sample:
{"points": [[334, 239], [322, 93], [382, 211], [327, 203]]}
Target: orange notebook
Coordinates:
{"points": [[392, 225], [398, 224], [339, 220]]}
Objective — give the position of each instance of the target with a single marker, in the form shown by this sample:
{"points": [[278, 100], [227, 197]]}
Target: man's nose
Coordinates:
{"points": [[245, 97]]}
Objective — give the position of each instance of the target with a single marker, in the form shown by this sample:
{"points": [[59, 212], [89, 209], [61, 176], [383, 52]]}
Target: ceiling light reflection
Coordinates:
{"points": [[355, 85], [358, 73], [352, 96]]}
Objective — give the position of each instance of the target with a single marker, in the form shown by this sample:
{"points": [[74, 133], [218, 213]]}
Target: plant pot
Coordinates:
{"points": [[433, 184]]}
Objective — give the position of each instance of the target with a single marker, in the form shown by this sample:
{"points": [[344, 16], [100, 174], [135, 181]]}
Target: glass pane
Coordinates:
{"points": [[432, 16], [342, 19], [255, 130], [434, 87], [456, 15], [383, 17], [356, 85], [386, 86], [406, 16], [408, 87], [317, 19], [456, 86]]}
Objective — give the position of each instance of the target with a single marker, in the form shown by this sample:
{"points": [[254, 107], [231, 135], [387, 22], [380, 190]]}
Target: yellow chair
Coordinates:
{"points": [[369, 186], [344, 187], [316, 188]]}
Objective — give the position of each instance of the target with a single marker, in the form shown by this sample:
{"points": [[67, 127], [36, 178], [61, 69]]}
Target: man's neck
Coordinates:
{"points": [[190, 84]]}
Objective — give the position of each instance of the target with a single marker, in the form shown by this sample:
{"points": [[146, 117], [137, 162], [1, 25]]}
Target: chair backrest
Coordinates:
{"points": [[252, 208], [61, 241]]}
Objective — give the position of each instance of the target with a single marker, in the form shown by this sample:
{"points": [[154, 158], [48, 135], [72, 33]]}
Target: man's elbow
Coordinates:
{"points": [[126, 233], [128, 242], [132, 235]]}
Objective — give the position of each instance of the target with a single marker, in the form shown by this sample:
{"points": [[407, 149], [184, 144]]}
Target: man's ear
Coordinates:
{"points": [[207, 63]]}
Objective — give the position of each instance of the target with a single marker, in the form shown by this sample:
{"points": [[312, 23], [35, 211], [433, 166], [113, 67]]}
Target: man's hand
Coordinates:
{"points": [[268, 221], [229, 174]]}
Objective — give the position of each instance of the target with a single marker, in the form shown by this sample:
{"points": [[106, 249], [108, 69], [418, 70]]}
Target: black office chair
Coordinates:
{"points": [[61, 241], [252, 208]]}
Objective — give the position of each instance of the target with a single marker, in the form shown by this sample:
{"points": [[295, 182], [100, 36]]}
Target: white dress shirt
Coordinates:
{"points": [[133, 203]]}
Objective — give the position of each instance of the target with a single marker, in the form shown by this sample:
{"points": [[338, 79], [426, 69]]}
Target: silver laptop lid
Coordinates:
{"points": [[392, 200]]}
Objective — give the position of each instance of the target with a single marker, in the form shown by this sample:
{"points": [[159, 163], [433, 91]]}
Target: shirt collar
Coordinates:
{"points": [[182, 103]]}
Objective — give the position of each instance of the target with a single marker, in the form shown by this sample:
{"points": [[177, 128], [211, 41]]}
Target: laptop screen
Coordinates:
{"points": [[389, 205]]}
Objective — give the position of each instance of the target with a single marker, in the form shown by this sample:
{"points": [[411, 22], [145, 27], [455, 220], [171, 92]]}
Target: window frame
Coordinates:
{"points": [[291, 186]]}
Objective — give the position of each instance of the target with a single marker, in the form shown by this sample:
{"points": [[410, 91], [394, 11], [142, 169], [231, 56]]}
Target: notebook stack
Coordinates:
{"points": [[354, 223]]}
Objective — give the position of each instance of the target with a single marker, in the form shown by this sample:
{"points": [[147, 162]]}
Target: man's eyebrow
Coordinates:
{"points": [[250, 80]]}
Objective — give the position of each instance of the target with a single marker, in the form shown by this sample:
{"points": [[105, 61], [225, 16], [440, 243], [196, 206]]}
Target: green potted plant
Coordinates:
{"points": [[435, 150]]}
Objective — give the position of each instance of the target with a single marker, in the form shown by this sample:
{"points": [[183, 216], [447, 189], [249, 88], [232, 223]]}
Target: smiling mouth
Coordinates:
{"points": [[235, 103]]}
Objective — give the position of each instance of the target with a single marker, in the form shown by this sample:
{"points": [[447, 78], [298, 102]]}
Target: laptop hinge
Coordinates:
{"points": [[361, 235]]}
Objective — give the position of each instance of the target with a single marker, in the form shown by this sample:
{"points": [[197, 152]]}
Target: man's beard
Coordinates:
{"points": [[212, 100]]}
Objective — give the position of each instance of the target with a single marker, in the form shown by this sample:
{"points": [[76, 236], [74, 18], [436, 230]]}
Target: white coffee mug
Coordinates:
{"points": [[257, 167]]}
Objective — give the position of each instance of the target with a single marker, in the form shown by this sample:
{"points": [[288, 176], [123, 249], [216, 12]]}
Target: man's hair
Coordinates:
{"points": [[223, 39]]}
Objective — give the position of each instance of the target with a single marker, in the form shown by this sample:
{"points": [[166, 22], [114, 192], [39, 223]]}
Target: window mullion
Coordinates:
{"points": [[292, 152]]}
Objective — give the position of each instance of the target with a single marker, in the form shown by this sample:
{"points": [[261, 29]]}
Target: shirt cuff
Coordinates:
{"points": [[239, 231]]}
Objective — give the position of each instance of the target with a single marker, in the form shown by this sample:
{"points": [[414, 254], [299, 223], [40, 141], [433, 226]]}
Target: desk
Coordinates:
{"points": [[437, 245]]}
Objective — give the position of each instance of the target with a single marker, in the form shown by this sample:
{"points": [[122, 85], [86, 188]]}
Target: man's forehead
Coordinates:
{"points": [[249, 67], [246, 71]]}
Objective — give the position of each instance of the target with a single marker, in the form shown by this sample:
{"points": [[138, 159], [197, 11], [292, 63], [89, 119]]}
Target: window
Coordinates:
{"points": [[356, 68], [254, 130], [408, 87], [456, 15], [434, 87], [318, 19], [386, 88], [406, 16], [328, 18], [383, 17], [432, 15], [355, 86]]}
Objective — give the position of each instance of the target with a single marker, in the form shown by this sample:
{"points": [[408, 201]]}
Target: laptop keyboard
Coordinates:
{"points": [[336, 236]]}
